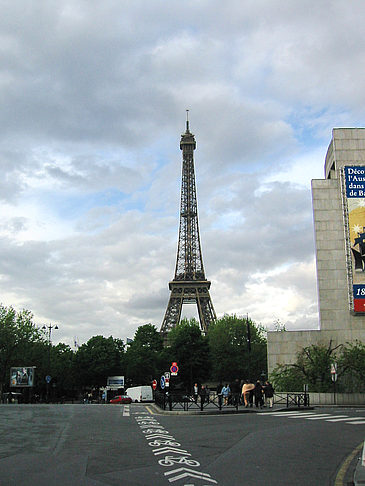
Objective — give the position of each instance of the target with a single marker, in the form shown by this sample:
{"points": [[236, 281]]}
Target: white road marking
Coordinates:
{"points": [[318, 416], [347, 419], [322, 417], [162, 444], [284, 414], [313, 415]]}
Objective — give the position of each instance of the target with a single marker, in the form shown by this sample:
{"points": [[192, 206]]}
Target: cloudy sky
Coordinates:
{"points": [[93, 98]]}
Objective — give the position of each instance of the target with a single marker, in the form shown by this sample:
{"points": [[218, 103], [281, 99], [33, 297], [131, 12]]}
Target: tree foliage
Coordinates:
{"points": [[142, 356], [221, 354], [237, 348], [351, 364], [147, 336], [313, 367], [190, 349], [17, 335], [97, 359]]}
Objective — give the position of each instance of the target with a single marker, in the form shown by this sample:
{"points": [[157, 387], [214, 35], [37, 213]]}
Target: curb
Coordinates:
{"points": [[359, 475], [226, 411]]}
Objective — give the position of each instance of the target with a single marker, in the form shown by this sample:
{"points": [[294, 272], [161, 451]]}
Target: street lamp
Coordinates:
{"points": [[248, 333], [48, 377]]}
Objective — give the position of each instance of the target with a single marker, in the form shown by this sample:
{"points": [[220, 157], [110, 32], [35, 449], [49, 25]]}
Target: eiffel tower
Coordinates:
{"points": [[189, 285]]}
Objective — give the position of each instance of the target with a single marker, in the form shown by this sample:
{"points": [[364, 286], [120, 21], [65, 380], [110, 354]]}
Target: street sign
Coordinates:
{"points": [[162, 382], [167, 382], [167, 374], [333, 368], [334, 376], [154, 384], [48, 379], [174, 369]]}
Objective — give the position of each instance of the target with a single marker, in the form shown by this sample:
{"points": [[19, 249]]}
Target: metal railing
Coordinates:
{"points": [[185, 402], [178, 401], [292, 399]]}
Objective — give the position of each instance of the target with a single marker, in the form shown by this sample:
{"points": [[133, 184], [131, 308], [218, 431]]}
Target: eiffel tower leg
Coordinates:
{"points": [[206, 312], [172, 314]]}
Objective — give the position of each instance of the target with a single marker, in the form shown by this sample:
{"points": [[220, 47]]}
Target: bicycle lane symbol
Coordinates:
{"points": [[171, 454]]}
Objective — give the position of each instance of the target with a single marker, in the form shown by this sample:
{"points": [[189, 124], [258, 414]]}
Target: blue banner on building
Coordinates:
{"points": [[355, 181], [355, 195]]}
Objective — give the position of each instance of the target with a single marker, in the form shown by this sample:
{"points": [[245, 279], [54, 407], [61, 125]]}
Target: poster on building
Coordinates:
{"points": [[355, 195], [22, 377]]}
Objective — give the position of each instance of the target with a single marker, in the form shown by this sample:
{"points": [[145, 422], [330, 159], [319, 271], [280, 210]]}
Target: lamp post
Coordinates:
{"points": [[48, 377], [248, 331]]}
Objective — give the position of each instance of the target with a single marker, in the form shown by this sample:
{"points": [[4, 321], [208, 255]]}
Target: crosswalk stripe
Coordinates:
{"points": [[345, 419], [286, 414], [310, 416], [338, 416], [294, 415], [318, 416]]}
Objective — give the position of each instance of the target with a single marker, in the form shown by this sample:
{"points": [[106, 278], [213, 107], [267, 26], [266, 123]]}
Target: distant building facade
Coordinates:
{"points": [[339, 224]]}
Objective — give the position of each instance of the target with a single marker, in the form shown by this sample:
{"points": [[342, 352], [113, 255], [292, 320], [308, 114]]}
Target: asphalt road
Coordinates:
{"points": [[94, 445]]}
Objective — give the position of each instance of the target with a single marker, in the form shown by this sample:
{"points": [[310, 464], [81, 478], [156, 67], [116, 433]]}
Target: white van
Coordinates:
{"points": [[140, 393]]}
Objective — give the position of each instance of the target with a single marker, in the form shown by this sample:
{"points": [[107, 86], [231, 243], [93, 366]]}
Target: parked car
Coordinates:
{"points": [[121, 399]]}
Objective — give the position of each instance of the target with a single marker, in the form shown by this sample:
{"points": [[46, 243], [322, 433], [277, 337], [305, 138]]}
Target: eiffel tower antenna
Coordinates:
{"points": [[189, 285]]}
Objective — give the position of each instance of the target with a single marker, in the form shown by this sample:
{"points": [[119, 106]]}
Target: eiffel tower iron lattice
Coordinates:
{"points": [[189, 285]]}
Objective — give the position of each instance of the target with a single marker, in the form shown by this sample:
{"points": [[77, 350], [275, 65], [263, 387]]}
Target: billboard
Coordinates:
{"points": [[22, 377], [355, 197], [115, 381]]}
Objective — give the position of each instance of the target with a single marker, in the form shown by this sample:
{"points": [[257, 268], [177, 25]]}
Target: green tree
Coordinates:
{"points": [[142, 356], [238, 349], [97, 359], [351, 364], [63, 370], [147, 336], [17, 333], [286, 378], [313, 367], [190, 349]]}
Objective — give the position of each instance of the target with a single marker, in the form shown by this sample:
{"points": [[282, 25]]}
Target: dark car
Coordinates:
{"points": [[121, 399]]}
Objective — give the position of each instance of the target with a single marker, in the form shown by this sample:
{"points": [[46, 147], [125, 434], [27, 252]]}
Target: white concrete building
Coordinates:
{"points": [[339, 223]]}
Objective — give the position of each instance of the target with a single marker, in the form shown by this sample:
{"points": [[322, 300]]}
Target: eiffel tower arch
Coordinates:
{"points": [[189, 285]]}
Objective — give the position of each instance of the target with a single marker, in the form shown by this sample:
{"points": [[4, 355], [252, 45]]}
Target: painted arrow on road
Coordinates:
{"points": [[189, 472], [165, 450], [159, 436]]}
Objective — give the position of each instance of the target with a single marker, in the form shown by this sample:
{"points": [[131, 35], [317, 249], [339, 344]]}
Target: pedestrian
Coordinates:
{"points": [[269, 394], [196, 392], [203, 394], [219, 394], [247, 389], [258, 394], [225, 393]]}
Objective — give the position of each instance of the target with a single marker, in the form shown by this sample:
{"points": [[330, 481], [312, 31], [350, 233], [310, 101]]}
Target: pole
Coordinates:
{"points": [[50, 327], [334, 379], [248, 330], [49, 362]]}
